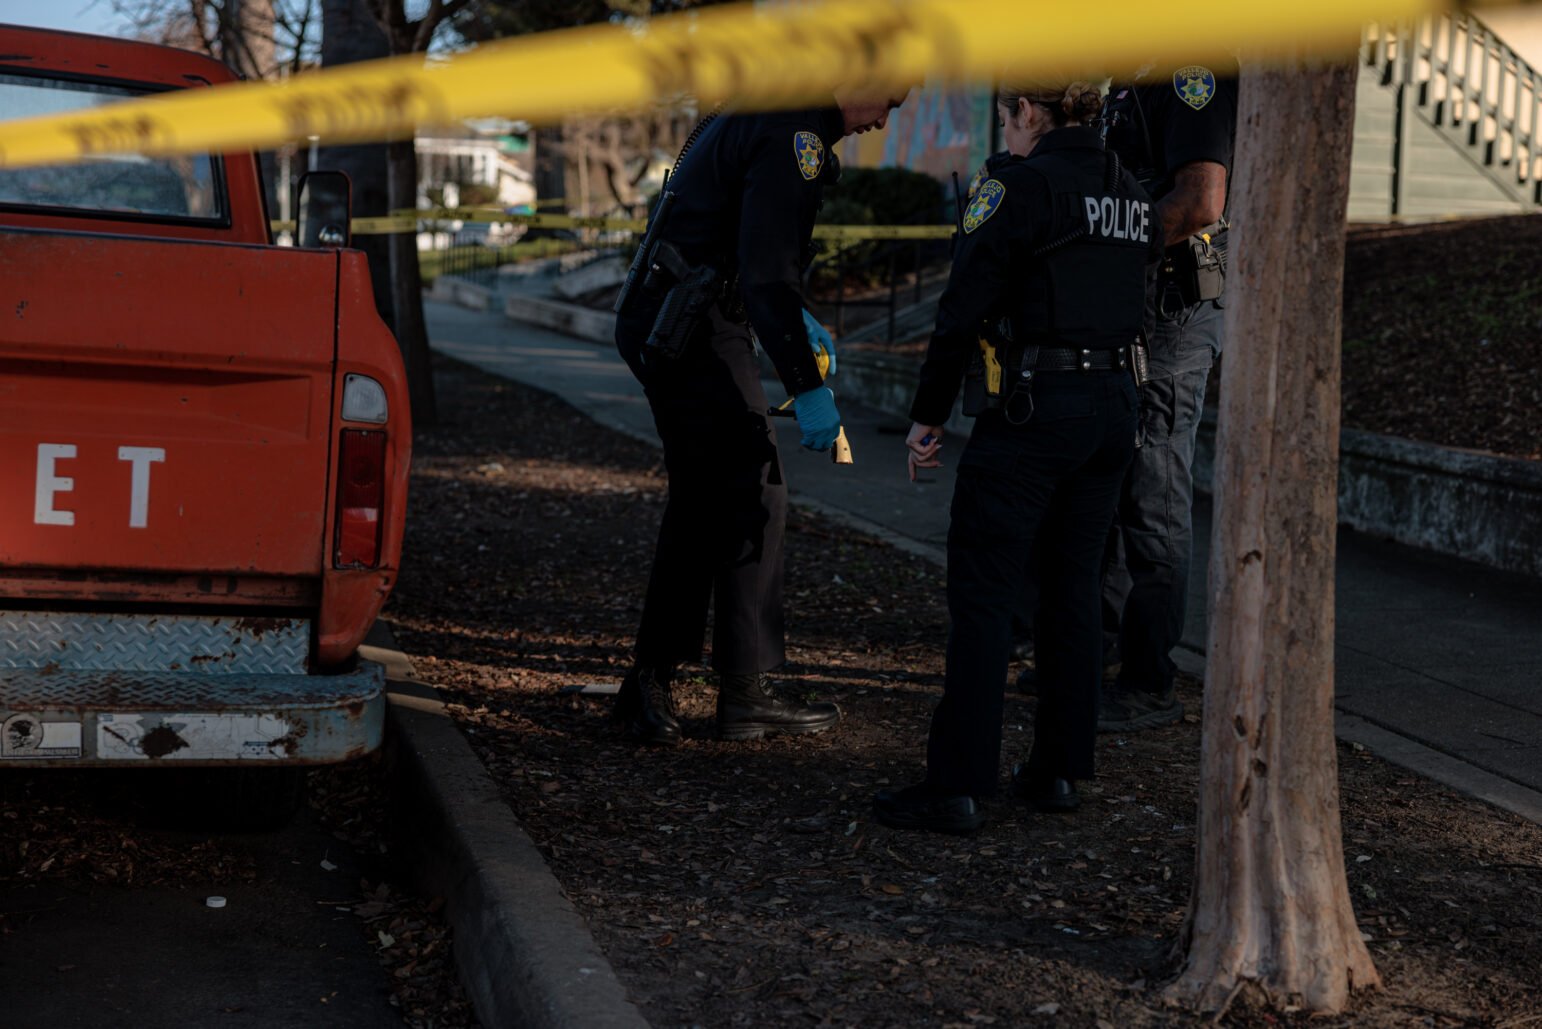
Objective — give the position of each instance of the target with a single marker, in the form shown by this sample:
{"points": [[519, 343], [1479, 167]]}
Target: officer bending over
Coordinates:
{"points": [[725, 252], [1055, 247]]}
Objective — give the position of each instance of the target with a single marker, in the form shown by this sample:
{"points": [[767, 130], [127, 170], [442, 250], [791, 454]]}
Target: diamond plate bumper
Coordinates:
{"points": [[208, 644], [76, 718]]}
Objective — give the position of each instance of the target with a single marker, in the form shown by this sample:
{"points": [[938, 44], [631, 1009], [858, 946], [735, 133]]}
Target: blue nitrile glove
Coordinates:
{"points": [[817, 417], [821, 343]]}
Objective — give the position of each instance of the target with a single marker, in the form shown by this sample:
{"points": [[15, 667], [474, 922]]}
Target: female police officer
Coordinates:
{"points": [[1054, 251]]}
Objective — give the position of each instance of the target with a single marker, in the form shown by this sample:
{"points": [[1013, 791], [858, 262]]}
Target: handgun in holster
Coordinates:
{"points": [[695, 289], [641, 268], [983, 381]]}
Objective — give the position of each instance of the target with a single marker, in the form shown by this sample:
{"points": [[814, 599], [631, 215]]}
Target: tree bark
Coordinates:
{"points": [[350, 32], [1270, 905], [407, 286]]}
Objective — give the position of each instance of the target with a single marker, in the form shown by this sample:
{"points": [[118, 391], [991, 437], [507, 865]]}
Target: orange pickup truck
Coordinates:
{"points": [[204, 441]]}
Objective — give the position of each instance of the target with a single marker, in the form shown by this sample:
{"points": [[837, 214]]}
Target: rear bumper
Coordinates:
{"points": [[83, 718]]}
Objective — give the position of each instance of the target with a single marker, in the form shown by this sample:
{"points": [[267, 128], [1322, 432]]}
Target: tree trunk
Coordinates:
{"points": [[1270, 905], [349, 32], [550, 172], [407, 287]]}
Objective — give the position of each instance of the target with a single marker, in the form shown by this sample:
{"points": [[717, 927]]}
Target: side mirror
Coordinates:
{"points": [[324, 203]]}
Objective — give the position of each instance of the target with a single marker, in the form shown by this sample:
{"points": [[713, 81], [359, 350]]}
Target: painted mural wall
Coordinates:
{"points": [[938, 131]]}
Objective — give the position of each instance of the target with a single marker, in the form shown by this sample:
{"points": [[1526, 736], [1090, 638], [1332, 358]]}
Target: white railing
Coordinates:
{"points": [[1472, 84]]}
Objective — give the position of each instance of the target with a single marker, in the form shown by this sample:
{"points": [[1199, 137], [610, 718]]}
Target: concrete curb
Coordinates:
{"points": [[1441, 767], [454, 290], [1467, 504], [1479, 506], [570, 319], [1407, 752], [523, 952]]}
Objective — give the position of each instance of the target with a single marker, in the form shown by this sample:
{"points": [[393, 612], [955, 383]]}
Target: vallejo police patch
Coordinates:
{"points": [[810, 151], [986, 199], [974, 183], [1195, 85]]}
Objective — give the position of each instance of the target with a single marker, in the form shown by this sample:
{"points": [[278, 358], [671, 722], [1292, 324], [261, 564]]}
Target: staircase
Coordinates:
{"points": [[1452, 77]]}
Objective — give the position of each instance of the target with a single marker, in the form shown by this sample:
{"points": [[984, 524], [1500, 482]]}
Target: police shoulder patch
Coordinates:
{"points": [[1195, 85], [810, 152], [974, 183], [984, 203]]}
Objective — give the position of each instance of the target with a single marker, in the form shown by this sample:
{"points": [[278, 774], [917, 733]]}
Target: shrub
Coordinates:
{"points": [[879, 196]]}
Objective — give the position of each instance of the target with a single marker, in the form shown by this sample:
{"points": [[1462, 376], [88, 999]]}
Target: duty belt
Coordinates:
{"points": [[1018, 405], [1068, 359]]}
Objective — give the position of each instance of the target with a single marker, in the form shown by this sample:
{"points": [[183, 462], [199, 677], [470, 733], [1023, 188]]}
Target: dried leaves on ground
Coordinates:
{"points": [[1443, 333], [747, 884], [408, 932], [104, 829]]}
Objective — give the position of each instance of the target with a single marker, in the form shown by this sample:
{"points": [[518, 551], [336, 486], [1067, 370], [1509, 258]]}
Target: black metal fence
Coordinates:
{"points": [[467, 255], [883, 279], [863, 283]]}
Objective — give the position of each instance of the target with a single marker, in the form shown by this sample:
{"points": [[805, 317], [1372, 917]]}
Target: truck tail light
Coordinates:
{"points": [[360, 497]]}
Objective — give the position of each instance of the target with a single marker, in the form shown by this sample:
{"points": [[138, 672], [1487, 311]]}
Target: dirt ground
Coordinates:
{"points": [[1443, 333], [747, 884]]}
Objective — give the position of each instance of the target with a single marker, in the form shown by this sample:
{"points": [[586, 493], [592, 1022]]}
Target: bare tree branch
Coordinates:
{"points": [[438, 13]]}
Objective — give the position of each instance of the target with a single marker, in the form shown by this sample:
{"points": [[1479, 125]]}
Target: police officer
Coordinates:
{"points": [[1176, 130], [734, 241], [1056, 246]]}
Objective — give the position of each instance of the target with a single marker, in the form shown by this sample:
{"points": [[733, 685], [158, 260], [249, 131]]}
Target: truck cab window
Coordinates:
{"points": [[172, 188]]}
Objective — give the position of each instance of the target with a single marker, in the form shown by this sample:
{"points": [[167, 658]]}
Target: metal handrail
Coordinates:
{"points": [[1477, 83], [886, 252]]}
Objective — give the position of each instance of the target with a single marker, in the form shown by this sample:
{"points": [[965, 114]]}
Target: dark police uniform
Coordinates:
{"points": [[1156, 128], [747, 191], [1058, 245]]}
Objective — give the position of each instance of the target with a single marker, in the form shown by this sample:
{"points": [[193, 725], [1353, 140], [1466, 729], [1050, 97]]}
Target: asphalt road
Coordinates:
{"points": [[279, 953]]}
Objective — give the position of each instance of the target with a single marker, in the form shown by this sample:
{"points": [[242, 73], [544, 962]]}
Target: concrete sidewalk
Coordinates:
{"points": [[1439, 661]]}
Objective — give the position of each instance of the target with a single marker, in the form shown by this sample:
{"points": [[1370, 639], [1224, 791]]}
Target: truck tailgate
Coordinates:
{"points": [[164, 406]]}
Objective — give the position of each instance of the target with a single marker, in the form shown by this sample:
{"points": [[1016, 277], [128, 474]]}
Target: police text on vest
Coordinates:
{"points": [[1115, 218]]}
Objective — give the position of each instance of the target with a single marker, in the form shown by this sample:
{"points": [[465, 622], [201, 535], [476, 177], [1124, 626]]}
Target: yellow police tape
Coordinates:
{"points": [[413, 221], [762, 57]]}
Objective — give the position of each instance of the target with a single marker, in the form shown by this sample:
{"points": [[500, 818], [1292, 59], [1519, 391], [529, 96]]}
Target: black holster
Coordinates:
{"points": [[694, 290], [1140, 363], [1196, 267]]}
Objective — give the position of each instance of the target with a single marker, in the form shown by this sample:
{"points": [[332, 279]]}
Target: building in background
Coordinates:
{"points": [[485, 163], [1446, 118]]}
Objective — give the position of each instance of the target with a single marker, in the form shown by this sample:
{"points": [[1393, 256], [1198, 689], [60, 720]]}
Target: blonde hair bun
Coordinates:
{"points": [[1082, 102], [1078, 101]]}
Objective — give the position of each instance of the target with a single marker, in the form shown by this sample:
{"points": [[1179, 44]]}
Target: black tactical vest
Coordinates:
{"points": [[1127, 132], [1098, 250]]}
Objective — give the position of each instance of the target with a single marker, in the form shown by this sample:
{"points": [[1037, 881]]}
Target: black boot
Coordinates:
{"points": [[1045, 792], [924, 807], [747, 709], [645, 708]]}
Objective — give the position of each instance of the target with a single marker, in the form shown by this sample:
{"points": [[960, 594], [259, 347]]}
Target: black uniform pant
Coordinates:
{"points": [[1145, 593], [721, 536], [1053, 481]]}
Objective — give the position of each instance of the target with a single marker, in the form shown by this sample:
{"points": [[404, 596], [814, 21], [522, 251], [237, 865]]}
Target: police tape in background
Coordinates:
{"points": [[783, 55], [414, 221]]}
